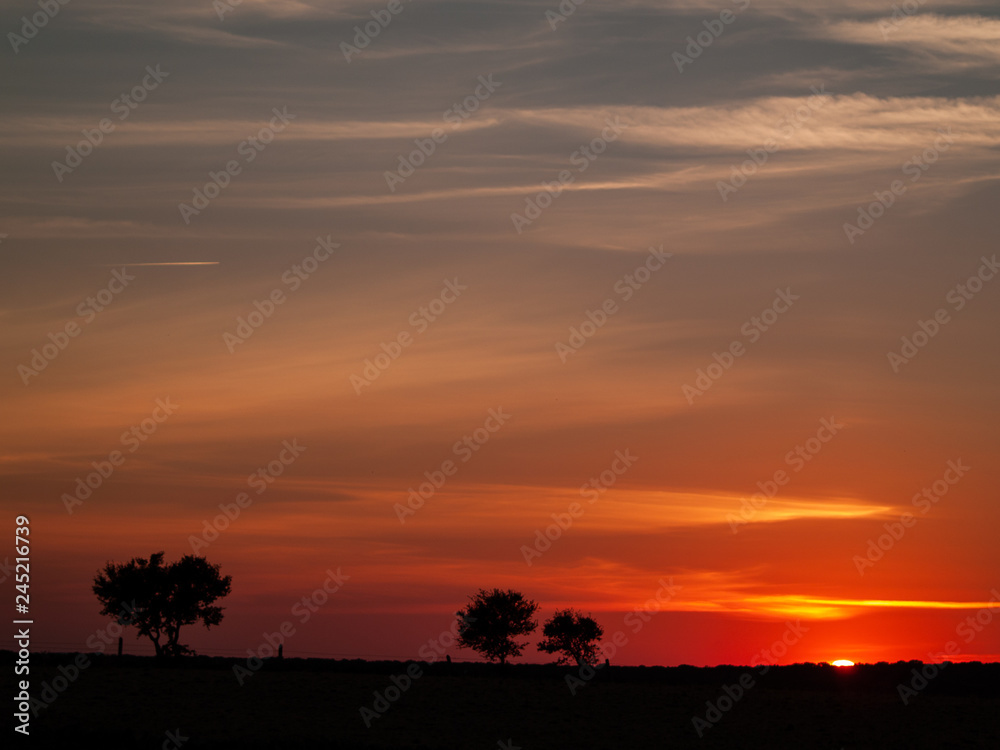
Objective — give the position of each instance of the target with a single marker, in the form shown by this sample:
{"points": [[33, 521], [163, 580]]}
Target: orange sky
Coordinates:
{"points": [[639, 241]]}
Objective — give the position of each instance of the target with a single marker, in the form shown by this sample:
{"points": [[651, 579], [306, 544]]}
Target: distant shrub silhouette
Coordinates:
{"points": [[572, 634], [492, 621], [158, 599]]}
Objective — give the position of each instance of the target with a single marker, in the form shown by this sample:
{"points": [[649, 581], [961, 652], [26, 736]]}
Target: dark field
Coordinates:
{"points": [[295, 703]]}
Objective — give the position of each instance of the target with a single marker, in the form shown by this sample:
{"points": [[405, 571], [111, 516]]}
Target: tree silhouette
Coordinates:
{"points": [[158, 599], [492, 621], [573, 635]]}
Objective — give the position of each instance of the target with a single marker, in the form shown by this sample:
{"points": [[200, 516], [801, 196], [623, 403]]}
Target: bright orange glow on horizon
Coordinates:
{"points": [[711, 414]]}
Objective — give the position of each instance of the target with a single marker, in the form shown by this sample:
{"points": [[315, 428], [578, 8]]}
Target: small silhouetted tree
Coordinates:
{"points": [[492, 621], [158, 599], [573, 635]]}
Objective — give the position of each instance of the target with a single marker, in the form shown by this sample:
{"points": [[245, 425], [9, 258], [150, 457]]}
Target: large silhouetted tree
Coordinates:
{"points": [[573, 635], [492, 621], [158, 599]]}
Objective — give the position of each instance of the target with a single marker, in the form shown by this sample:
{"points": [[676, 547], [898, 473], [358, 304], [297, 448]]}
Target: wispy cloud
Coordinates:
{"points": [[939, 44]]}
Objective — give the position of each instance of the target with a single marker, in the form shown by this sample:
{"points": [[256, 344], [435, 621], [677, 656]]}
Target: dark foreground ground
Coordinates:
{"points": [[301, 703]]}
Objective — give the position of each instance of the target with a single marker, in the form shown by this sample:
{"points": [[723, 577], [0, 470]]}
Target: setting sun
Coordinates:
{"points": [[500, 374]]}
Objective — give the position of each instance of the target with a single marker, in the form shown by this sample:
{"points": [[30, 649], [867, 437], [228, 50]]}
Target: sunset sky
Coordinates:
{"points": [[305, 235]]}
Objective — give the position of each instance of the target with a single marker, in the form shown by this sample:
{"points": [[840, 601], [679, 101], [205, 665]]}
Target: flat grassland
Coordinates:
{"points": [[311, 703]]}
